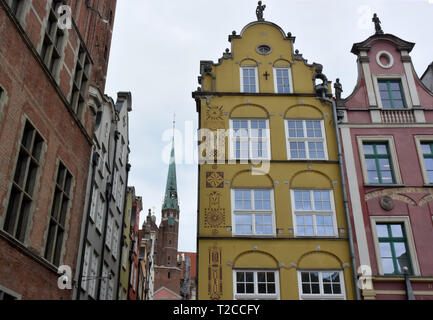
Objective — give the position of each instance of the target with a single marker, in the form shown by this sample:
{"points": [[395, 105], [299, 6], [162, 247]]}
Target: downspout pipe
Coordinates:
{"points": [[320, 89], [95, 161]]}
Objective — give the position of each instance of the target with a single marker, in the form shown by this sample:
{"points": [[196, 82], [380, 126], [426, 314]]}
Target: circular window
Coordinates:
{"points": [[264, 49], [384, 59]]}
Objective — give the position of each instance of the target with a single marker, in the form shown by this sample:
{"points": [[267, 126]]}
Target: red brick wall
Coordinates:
{"points": [[31, 93]]}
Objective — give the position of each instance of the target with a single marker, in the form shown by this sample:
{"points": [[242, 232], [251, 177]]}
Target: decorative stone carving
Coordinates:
{"points": [[387, 203]]}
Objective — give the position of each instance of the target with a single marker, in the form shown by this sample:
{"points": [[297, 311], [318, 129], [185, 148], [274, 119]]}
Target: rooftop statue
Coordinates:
{"points": [[377, 23], [259, 11]]}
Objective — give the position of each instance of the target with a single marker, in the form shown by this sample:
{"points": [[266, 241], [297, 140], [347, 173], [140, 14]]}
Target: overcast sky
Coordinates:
{"points": [[156, 51]]}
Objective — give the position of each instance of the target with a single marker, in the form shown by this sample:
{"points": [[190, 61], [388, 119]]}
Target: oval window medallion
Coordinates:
{"points": [[263, 49], [384, 59]]}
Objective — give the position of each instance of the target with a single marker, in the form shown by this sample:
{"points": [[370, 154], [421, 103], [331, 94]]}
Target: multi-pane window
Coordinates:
{"points": [[115, 239], [250, 139], [24, 183], [59, 211], [391, 94], [94, 204], [51, 50], [306, 140], [427, 152], [249, 81], [394, 253], [378, 163], [110, 290], [109, 236], [282, 80], [253, 212], [92, 276], [100, 213], [102, 163], [80, 82], [251, 284], [313, 212], [104, 282], [321, 285], [86, 267]]}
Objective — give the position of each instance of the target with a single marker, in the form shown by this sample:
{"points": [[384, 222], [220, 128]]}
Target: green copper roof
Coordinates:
{"points": [[170, 199]]}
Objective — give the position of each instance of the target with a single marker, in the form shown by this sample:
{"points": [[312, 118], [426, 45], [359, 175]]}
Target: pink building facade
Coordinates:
{"points": [[386, 128]]}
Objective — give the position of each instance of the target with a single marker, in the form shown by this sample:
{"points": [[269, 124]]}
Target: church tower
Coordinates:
{"points": [[167, 270]]}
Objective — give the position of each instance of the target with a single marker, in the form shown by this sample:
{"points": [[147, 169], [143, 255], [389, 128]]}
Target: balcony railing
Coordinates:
{"points": [[397, 116]]}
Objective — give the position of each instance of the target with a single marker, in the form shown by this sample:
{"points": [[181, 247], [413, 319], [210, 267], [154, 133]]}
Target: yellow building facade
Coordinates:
{"points": [[271, 219]]}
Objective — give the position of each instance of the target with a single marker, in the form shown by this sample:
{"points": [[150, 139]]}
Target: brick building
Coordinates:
{"points": [[46, 136]]}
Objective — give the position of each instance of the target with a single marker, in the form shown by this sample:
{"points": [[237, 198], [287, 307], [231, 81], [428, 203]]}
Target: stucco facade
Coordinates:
{"points": [[387, 128], [256, 240]]}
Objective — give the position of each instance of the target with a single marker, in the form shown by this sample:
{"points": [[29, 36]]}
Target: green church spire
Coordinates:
{"points": [[171, 199]]}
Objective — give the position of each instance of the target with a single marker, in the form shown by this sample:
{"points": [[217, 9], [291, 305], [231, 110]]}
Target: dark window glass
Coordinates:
{"points": [[59, 210], [26, 171]]}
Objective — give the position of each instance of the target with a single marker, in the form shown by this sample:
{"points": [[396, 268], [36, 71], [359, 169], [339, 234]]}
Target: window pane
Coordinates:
{"points": [[385, 250], [381, 149], [429, 164], [382, 230], [426, 149], [397, 231], [388, 265], [368, 149], [302, 200]]}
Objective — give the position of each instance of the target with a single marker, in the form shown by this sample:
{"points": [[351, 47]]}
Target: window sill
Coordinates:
{"points": [[254, 236], [390, 185]]}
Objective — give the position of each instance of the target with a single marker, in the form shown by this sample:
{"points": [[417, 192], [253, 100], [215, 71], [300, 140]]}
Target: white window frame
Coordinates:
{"points": [[94, 204], [100, 213], [289, 70], [305, 139], [256, 72], [86, 267], [418, 141], [253, 213], [409, 238], [109, 234], [393, 155], [115, 240], [104, 282], [322, 295], [256, 295], [110, 290], [314, 213], [9, 292], [232, 139], [92, 276]]}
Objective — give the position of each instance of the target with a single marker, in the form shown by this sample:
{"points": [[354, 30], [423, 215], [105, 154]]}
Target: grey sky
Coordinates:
{"points": [[156, 51]]}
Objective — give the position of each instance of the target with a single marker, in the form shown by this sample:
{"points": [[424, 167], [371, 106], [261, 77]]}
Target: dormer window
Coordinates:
{"points": [[391, 94]]}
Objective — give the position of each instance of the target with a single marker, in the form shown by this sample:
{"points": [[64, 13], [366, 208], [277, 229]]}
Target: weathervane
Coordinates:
{"points": [[377, 23], [259, 11]]}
